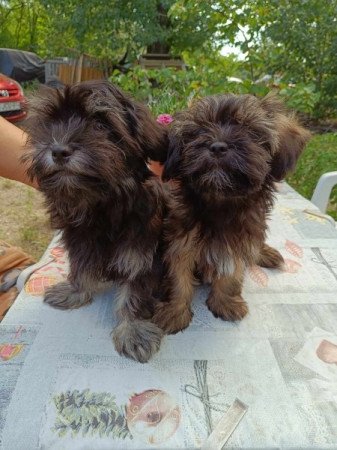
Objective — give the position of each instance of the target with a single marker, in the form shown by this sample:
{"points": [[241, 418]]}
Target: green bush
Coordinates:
{"points": [[301, 97], [169, 90], [319, 157]]}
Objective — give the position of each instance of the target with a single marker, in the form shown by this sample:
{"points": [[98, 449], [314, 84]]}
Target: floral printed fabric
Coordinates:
{"points": [[12, 261]]}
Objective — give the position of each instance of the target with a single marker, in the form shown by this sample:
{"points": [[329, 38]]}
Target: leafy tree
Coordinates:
{"points": [[293, 40], [23, 24], [300, 42], [110, 28]]}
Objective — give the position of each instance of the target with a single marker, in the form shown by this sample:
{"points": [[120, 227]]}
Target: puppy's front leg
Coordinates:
{"points": [[270, 258], [176, 314], [77, 291], [134, 337], [225, 300]]}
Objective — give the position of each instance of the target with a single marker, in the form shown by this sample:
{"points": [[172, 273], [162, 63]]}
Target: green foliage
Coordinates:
{"points": [[294, 41], [24, 24], [164, 90], [90, 413], [169, 90], [319, 157], [304, 43], [301, 97], [103, 29]]}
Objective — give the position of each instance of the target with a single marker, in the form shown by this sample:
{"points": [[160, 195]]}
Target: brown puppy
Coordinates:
{"points": [[226, 152], [90, 145]]}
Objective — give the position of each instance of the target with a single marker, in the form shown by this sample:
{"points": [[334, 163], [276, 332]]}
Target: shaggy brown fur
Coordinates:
{"points": [[226, 152], [90, 145]]}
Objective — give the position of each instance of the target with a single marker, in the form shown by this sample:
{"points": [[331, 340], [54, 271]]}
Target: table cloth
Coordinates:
{"points": [[63, 386]]}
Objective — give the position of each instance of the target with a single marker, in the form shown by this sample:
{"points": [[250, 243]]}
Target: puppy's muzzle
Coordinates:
{"points": [[61, 154]]}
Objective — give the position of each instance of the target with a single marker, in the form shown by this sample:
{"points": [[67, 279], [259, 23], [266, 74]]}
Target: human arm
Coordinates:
{"points": [[12, 147]]}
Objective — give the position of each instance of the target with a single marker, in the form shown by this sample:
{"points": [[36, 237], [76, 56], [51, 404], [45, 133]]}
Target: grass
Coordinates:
{"points": [[319, 157], [24, 222]]}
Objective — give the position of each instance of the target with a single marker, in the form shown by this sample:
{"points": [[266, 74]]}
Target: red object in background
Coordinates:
{"points": [[12, 100]]}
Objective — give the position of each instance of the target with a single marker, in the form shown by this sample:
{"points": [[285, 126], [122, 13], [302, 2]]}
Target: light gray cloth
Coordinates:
{"points": [[63, 386]]}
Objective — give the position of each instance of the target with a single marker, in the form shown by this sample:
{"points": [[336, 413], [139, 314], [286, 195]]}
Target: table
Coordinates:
{"points": [[63, 386]]}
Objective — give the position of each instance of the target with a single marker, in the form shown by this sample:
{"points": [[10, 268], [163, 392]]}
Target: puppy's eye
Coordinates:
{"points": [[267, 146], [100, 126], [114, 136]]}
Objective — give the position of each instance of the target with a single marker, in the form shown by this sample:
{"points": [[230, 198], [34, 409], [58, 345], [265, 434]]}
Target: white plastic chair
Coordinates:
{"points": [[323, 190]]}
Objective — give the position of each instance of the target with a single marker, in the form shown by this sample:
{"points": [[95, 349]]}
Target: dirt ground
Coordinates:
{"points": [[23, 219]]}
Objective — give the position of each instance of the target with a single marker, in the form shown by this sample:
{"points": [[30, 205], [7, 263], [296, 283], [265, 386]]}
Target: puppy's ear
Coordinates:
{"points": [[172, 167], [292, 139], [142, 127], [152, 135]]}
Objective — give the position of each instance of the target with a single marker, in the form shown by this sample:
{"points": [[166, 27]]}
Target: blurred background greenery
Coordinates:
{"points": [[288, 45], [240, 46]]}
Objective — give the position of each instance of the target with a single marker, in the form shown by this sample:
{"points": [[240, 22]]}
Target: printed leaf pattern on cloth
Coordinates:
{"points": [[58, 253], [9, 351], [38, 285], [89, 413], [48, 275], [291, 266], [293, 249], [258, 275]]}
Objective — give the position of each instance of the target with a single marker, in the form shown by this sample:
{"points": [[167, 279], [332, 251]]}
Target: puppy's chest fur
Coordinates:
{"points": [[222, 254], [116, 247], [215, 256], [218, 240], [115, 259]]}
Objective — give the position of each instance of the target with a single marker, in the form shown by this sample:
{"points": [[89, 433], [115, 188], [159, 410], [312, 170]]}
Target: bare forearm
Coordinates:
{"points": [[12, 146]]}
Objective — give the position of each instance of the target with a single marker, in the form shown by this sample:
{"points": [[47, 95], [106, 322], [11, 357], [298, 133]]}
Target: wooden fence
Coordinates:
{"points": [[73, 70]]}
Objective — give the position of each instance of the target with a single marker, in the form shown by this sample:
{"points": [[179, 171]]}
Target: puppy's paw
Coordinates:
{"points": [[64, 296], [270, 258], [227, 307], [172, 319], [138, 340]]}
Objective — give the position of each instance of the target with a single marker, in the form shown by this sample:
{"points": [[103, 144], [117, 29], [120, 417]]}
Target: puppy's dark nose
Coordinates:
{"points": [[60, 153], [219, 147]]}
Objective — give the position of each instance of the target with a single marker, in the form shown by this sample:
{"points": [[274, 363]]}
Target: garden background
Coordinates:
{"points": [[288, 46]]}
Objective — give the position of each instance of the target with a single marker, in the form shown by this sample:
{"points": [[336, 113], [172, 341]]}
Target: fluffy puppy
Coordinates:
{"points": [[226, 152], [89, 149]]}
